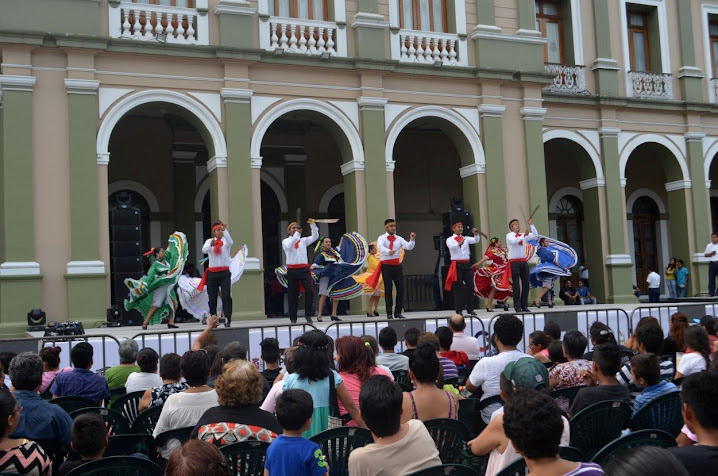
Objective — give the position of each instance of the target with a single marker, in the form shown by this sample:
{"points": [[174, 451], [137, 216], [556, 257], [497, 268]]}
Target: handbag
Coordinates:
{"points": [[334, 420]]}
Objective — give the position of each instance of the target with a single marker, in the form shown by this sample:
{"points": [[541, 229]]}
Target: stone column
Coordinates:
{"points": [[378, 201], [605, 67], [701, 211], [690, 76], [679, 210], [594, 192], [536, 165], [492, 138], [370, 30]]}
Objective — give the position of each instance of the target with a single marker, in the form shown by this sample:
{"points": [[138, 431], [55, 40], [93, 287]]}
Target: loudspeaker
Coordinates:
{"points": [[36, 317], [114, 314]]}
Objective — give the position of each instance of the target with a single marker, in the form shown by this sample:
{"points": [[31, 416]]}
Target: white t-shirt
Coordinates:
{"points": [[468, 344], [654, 280], [691, 363], [709, 249], [487, 375], [142, 381], [180, 410], [583, 272], [393, 361]]}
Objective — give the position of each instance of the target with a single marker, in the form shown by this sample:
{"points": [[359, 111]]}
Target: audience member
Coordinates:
{"points": [[270, 401], [427, 401], [649, 340], [19, 455], [5, 359], [370, 342], [570, 374], [206, 337], [606, 363], [675, 342], [555, 352], [458, 357], [699, 393], [539, 446], [238, 416], [600, 333], [389, 358], [47, 424], [291, 454], [708, 323], [448, 367], [461, 341], [632, 342], [538, 346], [642, 460], [398, 448], [270, 356], [117, 376], [50, 357], [646, 374], [89, 440], [171, 374], [81, 382], [147, 377], [698, 351], [568, 294], [552, 330], [411, 338], [584, 294], [508, 332], [197, 458]]}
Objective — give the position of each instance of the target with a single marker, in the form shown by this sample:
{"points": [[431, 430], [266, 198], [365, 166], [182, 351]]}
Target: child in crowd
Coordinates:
{"points": [[601, 383], [411, 338], [88, 439], [646, 374], [290, 454]]}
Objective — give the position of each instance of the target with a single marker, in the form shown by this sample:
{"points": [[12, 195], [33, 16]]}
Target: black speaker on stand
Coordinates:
{"points": [[36, 320], [114, 316]]}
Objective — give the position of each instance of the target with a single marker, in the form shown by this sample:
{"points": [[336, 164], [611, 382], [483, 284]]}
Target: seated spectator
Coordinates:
{"points": [[568, 294], [600, 333], [147, 377], [524, 374], [605, 365], [290, 453], [372, 344], [642, 460], [5, 359], [448, 367], [270, 401], [649, 340], [555, 352], [539, 447], [398, 448], [675, 341], [461, 341], [117, 376], [232, 351], [185, 408], [646, 373], [458, 357], [270, 357], [427, 401], [389, 358], [708, 323], [632, 342], [584, 294], [19, 455], [47, 424], [552, 331], [171, 374], [81, 382], [699, 393], [312, 374], [238, 416], [538, 346], [508, 332], [356, 364], [51, 367], [411, 338], [571, 373], [89, 440], [197, 458], [698, 351]]}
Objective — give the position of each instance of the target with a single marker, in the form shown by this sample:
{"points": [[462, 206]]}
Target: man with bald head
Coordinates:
{"points": [[462, 341]]}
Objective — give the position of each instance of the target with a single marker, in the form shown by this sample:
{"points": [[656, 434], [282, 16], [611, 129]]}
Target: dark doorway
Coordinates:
{"points": [[645, 241]]}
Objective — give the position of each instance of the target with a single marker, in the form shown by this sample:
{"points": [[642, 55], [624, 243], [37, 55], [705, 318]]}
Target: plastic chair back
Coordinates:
{"points": [[639, 438], [116, 423], [569, 393], [570, 453], [118, 466], [467, 407], [337, 443], [146, 421], [597, 425], [180, 434], [401, 376], [516, 468], [126, 445], [246, 458], [450, 437], [128, 404], [70, 404], [446, 470], [663, 413]]}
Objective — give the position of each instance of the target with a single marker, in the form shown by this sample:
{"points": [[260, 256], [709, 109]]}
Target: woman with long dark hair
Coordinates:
{"points": [[675, 342], [671, 278], [698, 351]]}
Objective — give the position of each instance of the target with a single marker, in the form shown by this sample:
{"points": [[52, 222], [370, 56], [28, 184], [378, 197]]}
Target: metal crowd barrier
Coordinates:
{"points": [[663, 312]]}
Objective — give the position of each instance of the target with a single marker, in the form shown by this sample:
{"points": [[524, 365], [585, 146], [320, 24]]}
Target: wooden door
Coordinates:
{"points": [[645, 240]]}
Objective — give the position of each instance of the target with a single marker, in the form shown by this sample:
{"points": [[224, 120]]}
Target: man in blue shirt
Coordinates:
{"points": [[681, 279], [646, 374], [585, 293], [81, 382], [47, 424]]}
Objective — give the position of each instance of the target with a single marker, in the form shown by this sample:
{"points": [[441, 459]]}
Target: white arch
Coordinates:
{"points": [[128, 103], [443, 113], [277, 189], [582, 142], [201, 193], [328, 196], [641, 139], [137, 188], [560, 193], [647, 192], [331, 112], [708, 160]]}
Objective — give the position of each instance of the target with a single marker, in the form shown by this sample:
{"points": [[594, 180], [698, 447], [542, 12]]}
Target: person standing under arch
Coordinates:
{"points": [[298, 272], [460, 278], [389, 246], [217, 276]]}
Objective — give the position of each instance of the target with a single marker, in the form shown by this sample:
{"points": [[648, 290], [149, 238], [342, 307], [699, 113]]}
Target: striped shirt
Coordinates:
{"points": [[586, 469], [450, 370], [624, 376], [651, 393]]}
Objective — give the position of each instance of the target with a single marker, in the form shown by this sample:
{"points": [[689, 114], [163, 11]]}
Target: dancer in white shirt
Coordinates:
{"points": [[295, 249], [460, 278], [217, 275], [389, 267], [518, 268]]}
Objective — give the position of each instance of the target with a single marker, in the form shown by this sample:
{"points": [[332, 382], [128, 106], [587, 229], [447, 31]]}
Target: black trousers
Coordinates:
{"points": [[712, 275], [216, 281], [294, 277], [393, 275], [463, 288], [520, 282]]}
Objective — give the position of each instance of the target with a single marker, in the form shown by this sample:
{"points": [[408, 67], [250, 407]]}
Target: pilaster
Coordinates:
{"points": [[701, 212], [376, 167], [236, 18], [535, 164], [491, 116], [593, 194], [690, 77], [370, 30], [605, 67]]}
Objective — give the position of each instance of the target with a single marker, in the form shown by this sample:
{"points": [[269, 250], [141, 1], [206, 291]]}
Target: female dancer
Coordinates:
{"points": [[377, 293], [487, 279], [155, 291], [555, 259], [327, 257]]}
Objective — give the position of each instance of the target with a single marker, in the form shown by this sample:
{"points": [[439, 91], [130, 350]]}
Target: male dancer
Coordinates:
{"points": [[295, 249], [460, 278], [217, 276], [388, 245], [518, 269]]}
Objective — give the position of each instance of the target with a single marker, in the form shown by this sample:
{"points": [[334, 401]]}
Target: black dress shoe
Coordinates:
{"points": [[389, 316], [398, 316], [335, 318], [227, 324], [309, 320], [526, 309], [550, 305], [473, 313], [293, 320], [376, 314], [172, 326]]}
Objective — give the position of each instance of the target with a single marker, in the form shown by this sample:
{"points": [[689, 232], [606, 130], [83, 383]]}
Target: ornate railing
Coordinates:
{"points": [[428, 47], [146, 22], [714, 85], [651, 85], [296, 35], [567, 79]]}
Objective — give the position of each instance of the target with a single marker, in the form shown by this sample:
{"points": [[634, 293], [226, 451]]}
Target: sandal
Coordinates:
{"points": [[144, 327], [319, 319]]}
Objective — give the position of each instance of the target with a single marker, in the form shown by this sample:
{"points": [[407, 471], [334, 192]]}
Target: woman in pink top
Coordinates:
{"points": [[356, 362], [51, 366]]}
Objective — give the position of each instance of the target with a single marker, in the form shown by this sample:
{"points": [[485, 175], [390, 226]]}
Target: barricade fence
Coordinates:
{"points": [[105, 348]]}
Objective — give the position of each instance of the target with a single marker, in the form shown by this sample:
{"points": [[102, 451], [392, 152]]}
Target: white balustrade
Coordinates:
{"points": [[140, 21], [428, 47], [567, 79], [297, 35], [651, 85]]}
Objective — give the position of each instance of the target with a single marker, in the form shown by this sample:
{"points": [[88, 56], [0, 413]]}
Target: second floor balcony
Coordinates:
{"points": [[567, 79], [163, 23], [649, 85], [428, 47]]}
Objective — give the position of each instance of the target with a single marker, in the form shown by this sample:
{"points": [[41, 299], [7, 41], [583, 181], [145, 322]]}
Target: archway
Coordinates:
{"points": [[645, 238]]}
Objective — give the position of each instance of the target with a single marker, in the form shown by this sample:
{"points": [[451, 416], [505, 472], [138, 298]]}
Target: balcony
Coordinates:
{"points": [[714, 88], [144, 22], [567, 79], [428, 47], [647, 85], [296, 35]]}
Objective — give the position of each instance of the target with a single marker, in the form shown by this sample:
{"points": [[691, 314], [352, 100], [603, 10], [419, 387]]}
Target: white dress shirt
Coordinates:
{"points": [[517, 244], [466, 343], [461, 251], [383, 244], [654, 280], [299, 255], [711, 248], [223, 258]]}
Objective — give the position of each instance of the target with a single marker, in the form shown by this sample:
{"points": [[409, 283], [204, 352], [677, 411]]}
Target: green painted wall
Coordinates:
{"points": [[509, 55], [678, 225], [236, 31], [536, 168], [2, 195], [614, 196], [17, 296], [86, 298], [472, 201], [592, 233], [372, 131], [351, 203], [213, 197], [685, 32], [492, 138], [485, 12], [369, 6], [248, 295], [56, 16], [527, 14], [606, 79], [370, 42]]}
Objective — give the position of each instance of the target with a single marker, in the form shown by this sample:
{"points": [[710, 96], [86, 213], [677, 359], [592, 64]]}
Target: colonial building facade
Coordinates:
{"points": [[601, 113]]}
